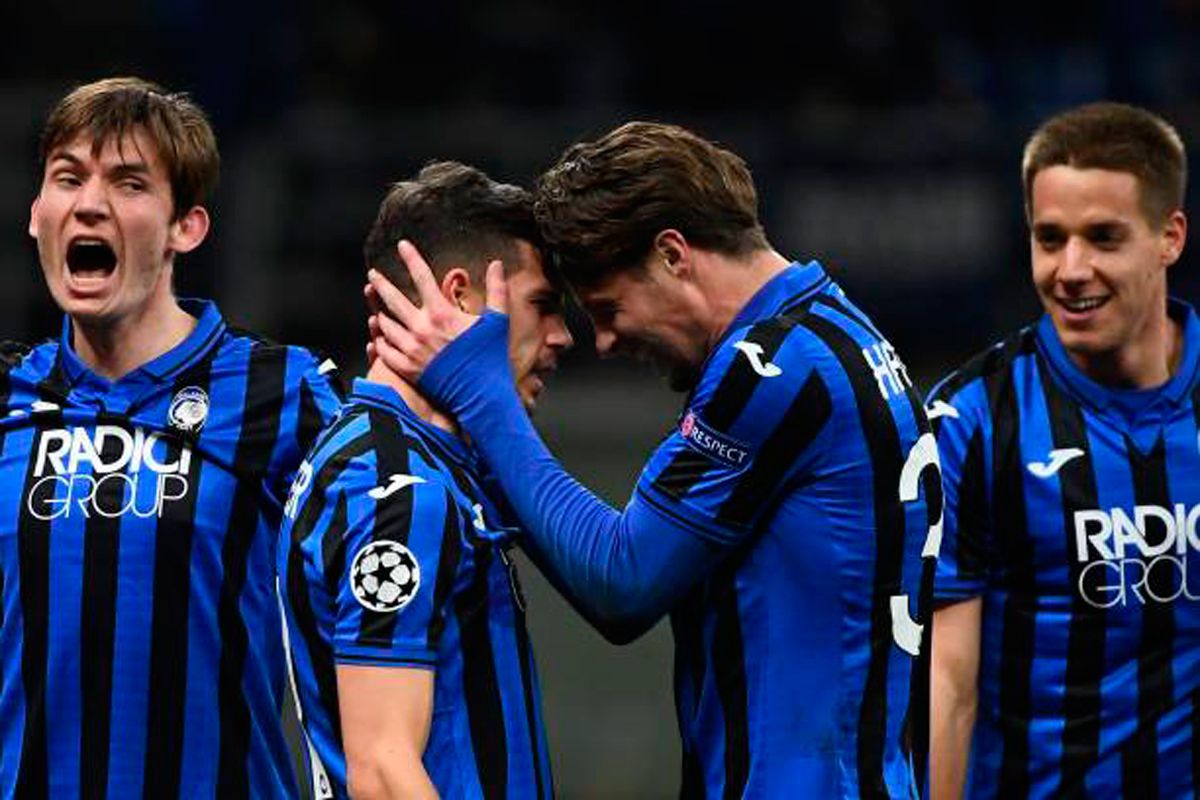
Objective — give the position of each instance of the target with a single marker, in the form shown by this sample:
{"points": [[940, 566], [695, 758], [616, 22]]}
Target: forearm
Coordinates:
{"points": [[619, 566], [952, 725], [954, 695], [388, 774]]}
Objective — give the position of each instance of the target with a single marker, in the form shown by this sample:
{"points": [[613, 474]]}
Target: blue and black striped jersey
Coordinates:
{"points": [[1071, 510], [391, 554], [805, 452], [137, 528]]}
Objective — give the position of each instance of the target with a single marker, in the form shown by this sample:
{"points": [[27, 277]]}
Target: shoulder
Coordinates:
{"points": [[991, 364]]}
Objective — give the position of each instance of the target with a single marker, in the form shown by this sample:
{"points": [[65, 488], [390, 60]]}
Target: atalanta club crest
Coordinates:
{"points": [[189, 409]]}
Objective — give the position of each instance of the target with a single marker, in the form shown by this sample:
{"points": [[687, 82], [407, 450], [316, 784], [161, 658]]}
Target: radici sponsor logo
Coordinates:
{"points": [[1140, 557], [101, 471]]}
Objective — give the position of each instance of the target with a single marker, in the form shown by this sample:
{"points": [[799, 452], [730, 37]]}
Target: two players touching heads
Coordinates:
{"points": [[788, 525]]}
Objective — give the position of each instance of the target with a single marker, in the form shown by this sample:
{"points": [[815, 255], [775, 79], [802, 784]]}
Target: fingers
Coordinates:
{"points": [[496, 288], [386, 295], [396, 361], [427, 285]]}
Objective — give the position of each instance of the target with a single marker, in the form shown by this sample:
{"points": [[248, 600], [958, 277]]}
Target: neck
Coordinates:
{"points": [[729, 287], [116, 349], [379, 373], [1148, 361]]}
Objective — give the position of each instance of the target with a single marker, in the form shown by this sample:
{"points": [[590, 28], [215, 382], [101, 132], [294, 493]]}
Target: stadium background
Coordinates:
{"points": [[884, 136]]}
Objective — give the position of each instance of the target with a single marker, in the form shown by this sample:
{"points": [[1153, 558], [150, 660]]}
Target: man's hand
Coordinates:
{"points": [[407, 336]]}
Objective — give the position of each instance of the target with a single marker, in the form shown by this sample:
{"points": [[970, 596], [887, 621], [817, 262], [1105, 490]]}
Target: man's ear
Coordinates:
{"points": [[1174, 237], [188, 231], [33, 223], [672, 249], [461, 291]]}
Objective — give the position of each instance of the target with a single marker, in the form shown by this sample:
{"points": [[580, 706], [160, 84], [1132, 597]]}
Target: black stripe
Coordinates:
{"points": [[320, 654], [915, 728], [1195, 723], [333, 560], [450, 552], [973, 512], [262, 407], [883, 444], [310, 420], [33, 564], [729, 676], [804, 419], [485, 711], [687, 629], [98, 620], [167, 679], [1156, 683], [1011, 531], [730, 397], [393, 517], [525, 654], [1086, 630]]}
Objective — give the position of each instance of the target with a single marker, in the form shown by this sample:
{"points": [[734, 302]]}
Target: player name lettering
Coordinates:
{"points": [[1140, 557], [101, 471]]}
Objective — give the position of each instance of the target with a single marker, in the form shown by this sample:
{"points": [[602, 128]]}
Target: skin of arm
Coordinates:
{"points": [[386, 713], [954, 695]]}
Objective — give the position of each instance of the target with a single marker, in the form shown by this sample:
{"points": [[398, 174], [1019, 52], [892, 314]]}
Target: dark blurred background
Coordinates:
{"points": [[884, 136]]}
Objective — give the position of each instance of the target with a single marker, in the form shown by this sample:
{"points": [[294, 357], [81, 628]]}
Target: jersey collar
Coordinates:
{"points": [[387, 399], [1131, 402], [209, 325], [795, 283]]}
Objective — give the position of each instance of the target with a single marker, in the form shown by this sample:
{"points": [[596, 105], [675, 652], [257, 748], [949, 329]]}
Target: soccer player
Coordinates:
{"points": [[781, 522], [144, 464], [1066, 655], [405, 618]]}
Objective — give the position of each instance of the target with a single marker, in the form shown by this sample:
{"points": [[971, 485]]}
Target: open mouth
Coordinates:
{"points": [[91, 258]]}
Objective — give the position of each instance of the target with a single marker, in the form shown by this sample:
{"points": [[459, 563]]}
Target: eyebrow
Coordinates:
{"points": [[120, 170]]}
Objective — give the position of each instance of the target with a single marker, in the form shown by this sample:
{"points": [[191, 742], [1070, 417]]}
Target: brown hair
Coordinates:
{"points": [[602, 204], [1116, 137], [113, 108], [456, 216]]}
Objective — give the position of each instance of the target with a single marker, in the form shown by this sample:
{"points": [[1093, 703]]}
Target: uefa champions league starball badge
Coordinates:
{"points": [[384, 576], [189, 409]]}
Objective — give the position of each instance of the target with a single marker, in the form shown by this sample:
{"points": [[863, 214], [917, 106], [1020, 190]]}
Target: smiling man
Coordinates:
{"points": [[1066, 649], [144, 465]]}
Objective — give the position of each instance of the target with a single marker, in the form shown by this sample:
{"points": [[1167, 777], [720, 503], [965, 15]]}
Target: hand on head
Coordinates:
{"points": [[408, 336]]}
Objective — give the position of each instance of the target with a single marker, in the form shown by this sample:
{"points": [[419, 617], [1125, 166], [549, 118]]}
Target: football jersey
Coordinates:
{"points": [[804, 451], [392, 555], [138, 519], [1071, 510]]}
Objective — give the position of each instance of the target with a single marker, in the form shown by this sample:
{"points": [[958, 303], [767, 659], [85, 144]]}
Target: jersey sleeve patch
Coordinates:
{"points": [[384, 576]]}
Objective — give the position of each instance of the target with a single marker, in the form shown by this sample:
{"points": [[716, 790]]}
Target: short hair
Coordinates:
{"points": [[113, 108], [601, 205], [457, 217], [1117, 137]]}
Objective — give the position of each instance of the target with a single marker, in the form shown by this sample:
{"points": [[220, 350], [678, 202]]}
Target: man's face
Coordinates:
{"points": [[104, 229], [1099, 266], [537, 332], [641, 313]]}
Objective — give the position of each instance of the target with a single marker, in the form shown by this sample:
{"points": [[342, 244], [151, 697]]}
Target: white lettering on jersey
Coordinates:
{"points": [[888, 370], [1126, 550], [73, 472]]}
